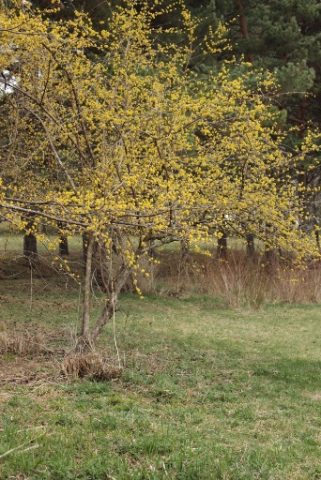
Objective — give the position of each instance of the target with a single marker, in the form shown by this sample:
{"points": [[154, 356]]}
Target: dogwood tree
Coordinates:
{"points": [[113, 136]]}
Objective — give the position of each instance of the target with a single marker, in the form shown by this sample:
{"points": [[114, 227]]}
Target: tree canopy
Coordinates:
{"points": [[111, 134]]}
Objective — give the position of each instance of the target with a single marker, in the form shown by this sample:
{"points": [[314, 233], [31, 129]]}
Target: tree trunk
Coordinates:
{"points": [[63, 246], [30, 250], [250, 247], [111, 303], [88, 336], [85, 322], [222, 246], [244, 26], [184, 252], [85, 239], [317, 239]]}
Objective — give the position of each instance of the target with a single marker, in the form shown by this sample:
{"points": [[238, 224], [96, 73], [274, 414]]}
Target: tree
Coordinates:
{"points": [[120, 141]]}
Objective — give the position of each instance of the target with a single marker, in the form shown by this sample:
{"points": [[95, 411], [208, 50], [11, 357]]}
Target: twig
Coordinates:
{"points": [[5, 454], [110, 477], [165, 470], [20, 449], [53, 148], [42, 214]]}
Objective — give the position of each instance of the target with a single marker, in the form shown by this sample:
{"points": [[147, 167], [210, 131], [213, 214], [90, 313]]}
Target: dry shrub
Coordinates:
{"points": [[91, 365], [22, 343], [240, 281], [296, 285], [237, 281]]}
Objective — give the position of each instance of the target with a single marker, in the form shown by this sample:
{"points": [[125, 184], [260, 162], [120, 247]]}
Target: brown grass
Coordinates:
{"points": [[91, 364], [28, 371], [22, 343], [236, 281]]}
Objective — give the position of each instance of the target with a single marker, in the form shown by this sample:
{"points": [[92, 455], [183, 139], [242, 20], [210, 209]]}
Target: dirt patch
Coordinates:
{"points": [[31, 340], [313, 396], [22, 371], [30, 355], [5, 396]]}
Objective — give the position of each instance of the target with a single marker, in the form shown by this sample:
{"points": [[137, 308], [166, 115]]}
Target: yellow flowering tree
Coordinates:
{"points": [[112, 135]]}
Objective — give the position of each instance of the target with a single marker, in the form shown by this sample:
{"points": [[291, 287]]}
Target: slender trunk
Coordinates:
{"points": [[250, 246], [111, 304], [222, 246], [84, 332], [63, 246], [105, 316]]}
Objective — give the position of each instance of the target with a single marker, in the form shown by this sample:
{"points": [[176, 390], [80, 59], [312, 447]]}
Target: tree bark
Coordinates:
{"points": [[30, 250], [111, 304], [250, 246], [85, 323], [63, 246], [85, 239], [244, 25], [317, 239], [222, 246], [184, 251]]}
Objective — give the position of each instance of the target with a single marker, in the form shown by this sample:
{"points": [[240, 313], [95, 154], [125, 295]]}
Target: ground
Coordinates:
{"points": [[206, 392]]}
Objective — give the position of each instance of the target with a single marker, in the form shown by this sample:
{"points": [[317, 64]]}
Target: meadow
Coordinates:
{"points": [[207, 391]]}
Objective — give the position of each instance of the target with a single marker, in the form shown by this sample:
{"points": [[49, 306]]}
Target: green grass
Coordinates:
{"points": [[206, 394]]}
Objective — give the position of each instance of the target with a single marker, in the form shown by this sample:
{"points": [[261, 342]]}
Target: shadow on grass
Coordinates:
{"points": [[297, 373]]}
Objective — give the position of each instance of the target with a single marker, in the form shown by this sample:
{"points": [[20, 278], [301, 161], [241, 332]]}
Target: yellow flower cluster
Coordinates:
{"points": [[111, 133]]}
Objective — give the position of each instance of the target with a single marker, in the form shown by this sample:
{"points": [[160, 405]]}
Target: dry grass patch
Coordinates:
{"points": [[91, 364], [236, 280], [26, 356], [313, 396], [25, 371], [22, 343]]}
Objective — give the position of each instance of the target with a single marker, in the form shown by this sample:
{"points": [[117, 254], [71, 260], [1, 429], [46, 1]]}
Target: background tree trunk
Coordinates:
{"points": [[250, 246], [222, 246], [63, 246], [30, 250], [317, 239], [244, 26]]}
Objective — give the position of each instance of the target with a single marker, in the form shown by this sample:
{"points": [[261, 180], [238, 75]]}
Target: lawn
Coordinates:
{"points": [[206, 393]]}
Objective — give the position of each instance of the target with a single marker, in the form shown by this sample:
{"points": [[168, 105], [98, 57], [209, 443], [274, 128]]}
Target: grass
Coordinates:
{"points": [[207, 393]]}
